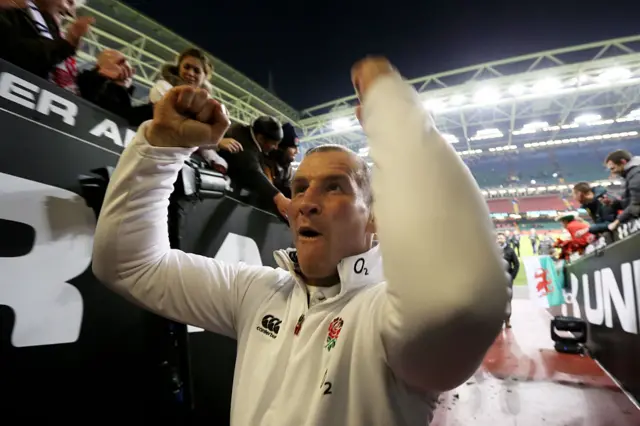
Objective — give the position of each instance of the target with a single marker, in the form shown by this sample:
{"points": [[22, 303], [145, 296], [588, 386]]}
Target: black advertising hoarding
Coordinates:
{"points": [[605, 292], [69, 348], [223, 235], [66, 342]]}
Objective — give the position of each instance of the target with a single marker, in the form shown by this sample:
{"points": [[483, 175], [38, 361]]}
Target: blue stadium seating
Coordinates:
{"points": [[570, 164]]}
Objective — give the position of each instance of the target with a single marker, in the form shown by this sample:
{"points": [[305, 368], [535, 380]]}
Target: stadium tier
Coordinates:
{"points": [[556, 165], [530, 204]]}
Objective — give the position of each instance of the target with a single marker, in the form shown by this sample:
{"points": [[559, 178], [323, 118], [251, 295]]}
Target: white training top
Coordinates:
{"points": [[374, 351]]}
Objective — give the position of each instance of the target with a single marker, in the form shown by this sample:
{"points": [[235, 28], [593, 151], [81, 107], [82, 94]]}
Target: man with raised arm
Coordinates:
{"points": [[345, 333]]}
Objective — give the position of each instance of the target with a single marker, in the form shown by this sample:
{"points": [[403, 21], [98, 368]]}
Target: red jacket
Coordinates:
{"points": [[575, 226]]}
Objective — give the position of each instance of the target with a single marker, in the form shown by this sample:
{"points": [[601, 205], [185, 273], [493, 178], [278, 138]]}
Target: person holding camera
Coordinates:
{"points": [[279, 161], [248, 168]]}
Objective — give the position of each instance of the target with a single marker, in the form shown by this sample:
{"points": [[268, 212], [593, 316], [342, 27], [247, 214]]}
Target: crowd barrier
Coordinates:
{"points": [[69, 348], [605, 292]]}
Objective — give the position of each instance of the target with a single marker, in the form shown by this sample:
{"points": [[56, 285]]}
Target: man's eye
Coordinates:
{"points": [[333, 187]]}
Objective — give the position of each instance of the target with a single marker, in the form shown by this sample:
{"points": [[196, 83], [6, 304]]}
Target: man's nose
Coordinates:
{"points": [[310, 204]]}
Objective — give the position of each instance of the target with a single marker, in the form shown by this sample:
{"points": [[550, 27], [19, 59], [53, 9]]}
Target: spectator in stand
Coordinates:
{"points": [[597, 203], [248, 169], [576, 244], [194, 69], [514, 266], [573, 224], [279, 160], [110, 86], [32, 39], [622, 163], [533, 237]]}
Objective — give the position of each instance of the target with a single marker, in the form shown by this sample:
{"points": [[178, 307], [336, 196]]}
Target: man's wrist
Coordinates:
{"points": [[157, 137]]}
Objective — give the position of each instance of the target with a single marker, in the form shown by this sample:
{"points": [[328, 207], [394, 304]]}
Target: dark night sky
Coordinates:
{"points": [[309, 45]]}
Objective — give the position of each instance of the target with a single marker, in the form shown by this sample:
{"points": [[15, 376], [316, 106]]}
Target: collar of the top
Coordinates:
{"points": [[355, 272]]}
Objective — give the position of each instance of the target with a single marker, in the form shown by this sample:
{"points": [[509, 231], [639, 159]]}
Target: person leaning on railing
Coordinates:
{"points": [[598, 204], [32, 39], [623, 164], [109, 85]]}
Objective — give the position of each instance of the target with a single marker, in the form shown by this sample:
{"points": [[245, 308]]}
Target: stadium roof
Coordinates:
{"points": [[576, 94], [148, 46]]}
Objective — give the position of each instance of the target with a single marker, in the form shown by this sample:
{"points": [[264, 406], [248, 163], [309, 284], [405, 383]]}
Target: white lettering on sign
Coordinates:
{"points": [[609, 299], [47, 309], [110, 129], [235, 249], [28, 95]]}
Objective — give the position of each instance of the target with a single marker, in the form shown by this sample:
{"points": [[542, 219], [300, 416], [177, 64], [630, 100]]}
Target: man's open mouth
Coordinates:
{"points": [[307, 232]]}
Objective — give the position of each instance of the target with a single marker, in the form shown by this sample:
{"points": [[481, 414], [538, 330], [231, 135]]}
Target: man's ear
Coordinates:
{"points": [[371, 225]]}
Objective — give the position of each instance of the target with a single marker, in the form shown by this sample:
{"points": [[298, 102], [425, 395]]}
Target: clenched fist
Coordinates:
{"points": [[365, 72], [187, 117]]}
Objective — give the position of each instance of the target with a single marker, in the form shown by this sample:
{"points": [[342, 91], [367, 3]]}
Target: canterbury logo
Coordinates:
{"points": [[270, 326]]}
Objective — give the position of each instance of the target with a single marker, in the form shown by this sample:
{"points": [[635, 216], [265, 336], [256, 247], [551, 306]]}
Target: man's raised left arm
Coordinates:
{"points": [[445, 301]]}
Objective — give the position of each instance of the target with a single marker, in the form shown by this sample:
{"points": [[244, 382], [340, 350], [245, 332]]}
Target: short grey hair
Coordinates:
{"points": [[362, 172]]}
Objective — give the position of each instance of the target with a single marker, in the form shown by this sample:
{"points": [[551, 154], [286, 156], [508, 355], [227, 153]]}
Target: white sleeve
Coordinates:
{"points": [[446, 291], [158, 91], [132, 253]]}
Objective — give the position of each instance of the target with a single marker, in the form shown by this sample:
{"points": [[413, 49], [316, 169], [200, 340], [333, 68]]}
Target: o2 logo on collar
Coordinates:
{"points": [[359, 267]]}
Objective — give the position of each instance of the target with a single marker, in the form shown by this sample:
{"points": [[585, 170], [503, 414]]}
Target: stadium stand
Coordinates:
{"points": [[554, 202], [500, 206], [546, 202], [552, 166]]}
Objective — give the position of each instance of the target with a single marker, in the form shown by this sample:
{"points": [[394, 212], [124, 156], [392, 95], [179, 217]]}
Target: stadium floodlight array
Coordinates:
{"points": [[587, 121], [487, 95], [539, 190], [544, 87], [345, 123], [485, 134], [364, 152], [607, 136], [590, 120]]}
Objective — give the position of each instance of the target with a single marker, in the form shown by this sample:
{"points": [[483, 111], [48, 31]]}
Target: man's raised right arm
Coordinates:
{"points": [[132, 253]]}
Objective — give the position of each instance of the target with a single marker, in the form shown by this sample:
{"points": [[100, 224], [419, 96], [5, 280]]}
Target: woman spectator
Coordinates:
{"points": [[193, 69], [32, 39]]}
